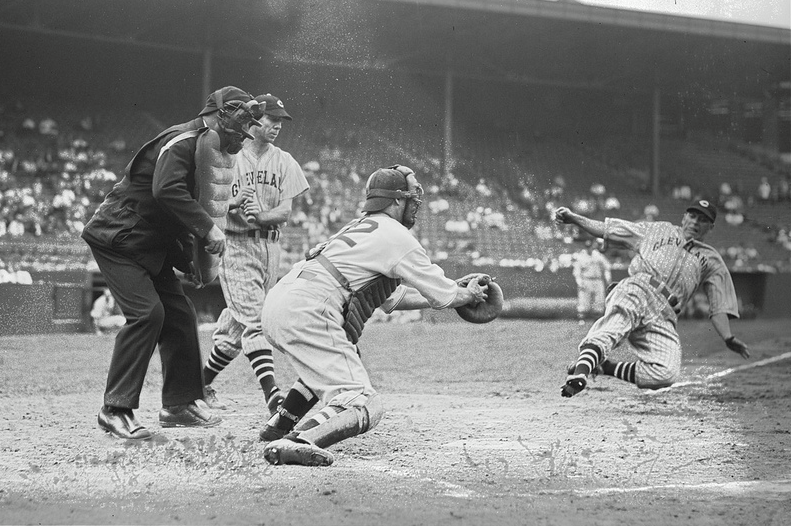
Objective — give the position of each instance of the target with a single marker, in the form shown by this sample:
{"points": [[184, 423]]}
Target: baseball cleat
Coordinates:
{"points": [[574, 385], [211, 400], [593, 374], [288, 451], [271, 433]]}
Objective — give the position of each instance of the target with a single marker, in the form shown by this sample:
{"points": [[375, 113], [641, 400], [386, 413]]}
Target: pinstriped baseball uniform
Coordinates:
{"points": [[303, 313], [249, 268], [591, 272], [665, 265]]}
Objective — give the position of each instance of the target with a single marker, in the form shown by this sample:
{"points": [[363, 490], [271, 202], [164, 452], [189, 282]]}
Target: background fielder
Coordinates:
{"points": [[671, 262], [268, 179], [591, 271]]}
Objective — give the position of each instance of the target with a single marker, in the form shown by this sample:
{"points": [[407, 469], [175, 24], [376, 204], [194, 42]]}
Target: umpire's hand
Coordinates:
{"points": [[215, 241]]}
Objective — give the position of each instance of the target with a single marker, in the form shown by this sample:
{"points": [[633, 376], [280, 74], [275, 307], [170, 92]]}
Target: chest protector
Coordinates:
{"points": [[362, 302]]}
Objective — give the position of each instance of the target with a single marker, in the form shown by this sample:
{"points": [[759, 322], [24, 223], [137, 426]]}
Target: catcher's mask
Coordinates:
{"points": [[387, 184], [236, 112]]}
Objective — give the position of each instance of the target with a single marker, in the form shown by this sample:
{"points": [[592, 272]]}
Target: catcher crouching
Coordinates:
{"points": [[316, 314]]}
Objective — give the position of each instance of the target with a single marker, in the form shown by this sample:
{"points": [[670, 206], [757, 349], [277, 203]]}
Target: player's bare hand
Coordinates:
{"points": [[562, 215], [478, 291], [251, 209], [215, 241], [738, 346], [248, 193], [192, 277]]}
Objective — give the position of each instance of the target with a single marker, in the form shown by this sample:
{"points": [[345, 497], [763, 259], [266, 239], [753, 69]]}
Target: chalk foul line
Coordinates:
{"points": [[726, 372]]}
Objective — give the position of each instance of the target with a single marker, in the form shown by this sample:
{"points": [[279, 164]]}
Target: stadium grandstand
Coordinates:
{"points": [[505, 109]]}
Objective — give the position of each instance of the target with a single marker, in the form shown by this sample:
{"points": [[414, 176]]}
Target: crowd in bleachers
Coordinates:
{"points": [[493, 207]]}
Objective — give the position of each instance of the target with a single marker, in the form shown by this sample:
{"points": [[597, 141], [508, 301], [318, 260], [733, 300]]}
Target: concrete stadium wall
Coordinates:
{"points": [[42, 308], [64, 303]]}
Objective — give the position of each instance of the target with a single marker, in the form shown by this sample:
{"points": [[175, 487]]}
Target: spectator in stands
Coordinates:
{"points": [[458, 226], [16, 228], [784, 189], [48, 126], [682, 192], [482, 188], [5, 275], [105, 314], [725, 193], [650, 212], [439, 205], [734, 210], [27, 126], [764, 192], [475, 217], [557, 189], [612, 203], [494, 219]]}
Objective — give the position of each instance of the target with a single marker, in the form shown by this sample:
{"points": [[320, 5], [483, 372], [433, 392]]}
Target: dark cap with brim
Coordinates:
{"points": [[383, 186], [224, 95], [273, 106], [706, 208]]}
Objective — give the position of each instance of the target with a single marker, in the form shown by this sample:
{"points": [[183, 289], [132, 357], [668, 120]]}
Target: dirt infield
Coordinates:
{"points": [[476, 433]]}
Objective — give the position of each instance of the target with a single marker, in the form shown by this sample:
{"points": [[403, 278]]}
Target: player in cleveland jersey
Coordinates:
{"points": [[669, 265], [267, 181]]}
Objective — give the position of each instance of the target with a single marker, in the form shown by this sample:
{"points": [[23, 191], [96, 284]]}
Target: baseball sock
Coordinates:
{"points": [[589, 358], [321, 417], [264, 368], [214, 365], [299, 400], [622, 370]]}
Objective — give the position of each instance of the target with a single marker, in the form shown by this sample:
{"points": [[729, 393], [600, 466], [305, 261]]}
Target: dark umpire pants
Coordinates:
{"points": [[157, 312]]}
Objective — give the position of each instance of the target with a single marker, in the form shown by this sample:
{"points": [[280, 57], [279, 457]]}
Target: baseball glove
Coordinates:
{"points": [[738, 346], [486, 311]]}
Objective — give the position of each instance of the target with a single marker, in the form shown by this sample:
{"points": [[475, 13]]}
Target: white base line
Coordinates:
{"points": [[450, 489], [726, 372], [766, 486]]}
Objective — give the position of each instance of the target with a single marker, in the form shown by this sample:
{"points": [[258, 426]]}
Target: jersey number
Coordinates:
{"points": [[365, 226]]}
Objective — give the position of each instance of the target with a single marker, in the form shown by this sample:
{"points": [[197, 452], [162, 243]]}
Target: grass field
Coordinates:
{"points": [[476, 433]]}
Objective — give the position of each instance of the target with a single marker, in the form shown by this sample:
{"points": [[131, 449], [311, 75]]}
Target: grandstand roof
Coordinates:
{"points": [[539, 42]]}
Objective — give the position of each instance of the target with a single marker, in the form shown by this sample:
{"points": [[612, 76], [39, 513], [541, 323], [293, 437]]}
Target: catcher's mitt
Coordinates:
{"points": [[486, 311]]}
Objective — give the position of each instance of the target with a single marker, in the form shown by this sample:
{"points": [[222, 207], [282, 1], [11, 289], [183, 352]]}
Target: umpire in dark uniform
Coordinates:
{"points": [[142, 231]]}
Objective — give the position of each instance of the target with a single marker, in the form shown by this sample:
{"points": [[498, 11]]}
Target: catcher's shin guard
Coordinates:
{"points": [[351, 421]]}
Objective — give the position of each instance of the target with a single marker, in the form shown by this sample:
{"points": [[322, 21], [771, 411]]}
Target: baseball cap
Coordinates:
{"points": [[706, 208], [229, 93], [274, 106], [384, 185]]}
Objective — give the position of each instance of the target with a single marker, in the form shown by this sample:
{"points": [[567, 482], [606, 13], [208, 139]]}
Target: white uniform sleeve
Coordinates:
{"points": [[417, 271], [294, 182], [720, 292], [624, 232], [395, 298]]}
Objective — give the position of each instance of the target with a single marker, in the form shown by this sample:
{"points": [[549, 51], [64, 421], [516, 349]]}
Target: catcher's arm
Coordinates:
{"points": [[723, 327], [472, 293], [565, 216]]}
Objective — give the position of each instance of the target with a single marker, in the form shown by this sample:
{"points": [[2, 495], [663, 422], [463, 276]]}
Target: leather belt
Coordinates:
{"points": [[266, 235], [664, 291]]}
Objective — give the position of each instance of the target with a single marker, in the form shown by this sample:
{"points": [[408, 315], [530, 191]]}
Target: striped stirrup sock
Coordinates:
{"points": [[214, 365], [622, 370]]}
